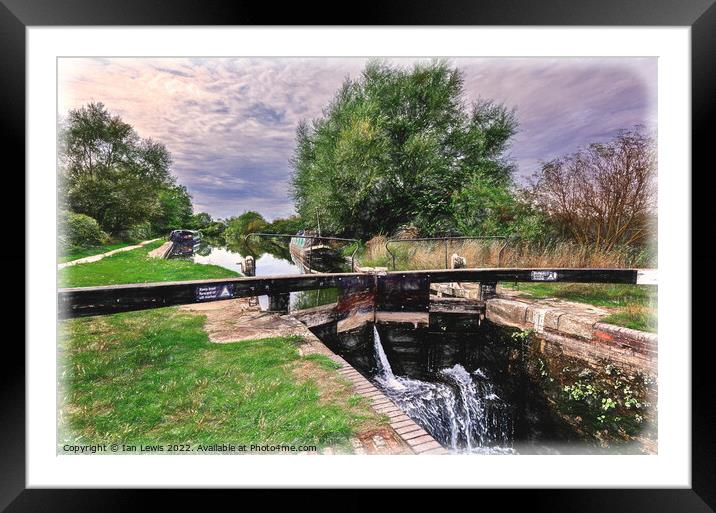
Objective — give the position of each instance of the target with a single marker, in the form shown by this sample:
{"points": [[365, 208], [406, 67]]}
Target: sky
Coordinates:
{"points": [[230, 123]]}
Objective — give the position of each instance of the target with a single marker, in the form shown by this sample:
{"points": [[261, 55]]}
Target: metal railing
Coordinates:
{"points": [[448, 240], [311, 237]]}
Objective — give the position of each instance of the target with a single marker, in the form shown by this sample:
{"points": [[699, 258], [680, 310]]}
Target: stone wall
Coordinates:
{"points": [[576, 331]]}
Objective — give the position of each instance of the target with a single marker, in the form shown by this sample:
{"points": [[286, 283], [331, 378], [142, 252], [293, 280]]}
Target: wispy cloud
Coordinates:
{"points": [[230, 123]]}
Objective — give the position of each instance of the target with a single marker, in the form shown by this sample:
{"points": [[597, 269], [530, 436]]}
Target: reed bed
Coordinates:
{"points": [[497, 253]]}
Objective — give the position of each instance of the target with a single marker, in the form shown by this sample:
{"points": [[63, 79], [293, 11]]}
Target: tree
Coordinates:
{"points": [[483, 210], [394, 147], [175, 209], [108, 172], [248, 222], [200, 220], [604, 194], [289, 225], [79, 231]]}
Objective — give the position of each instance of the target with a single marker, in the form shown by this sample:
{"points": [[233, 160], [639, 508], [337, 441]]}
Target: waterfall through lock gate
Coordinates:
{"points": [[460, 409]]}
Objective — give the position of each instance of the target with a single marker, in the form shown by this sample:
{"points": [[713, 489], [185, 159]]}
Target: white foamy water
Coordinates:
{"points": [[462, 413]]}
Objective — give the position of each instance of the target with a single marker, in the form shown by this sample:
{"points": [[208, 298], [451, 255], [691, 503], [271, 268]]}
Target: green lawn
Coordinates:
{"points": [[76, 253], [634, 306], [153, 377], [135, 266]]}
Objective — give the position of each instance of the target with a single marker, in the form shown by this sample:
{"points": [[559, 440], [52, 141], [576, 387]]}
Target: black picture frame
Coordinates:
{"points": [[700, 15]]}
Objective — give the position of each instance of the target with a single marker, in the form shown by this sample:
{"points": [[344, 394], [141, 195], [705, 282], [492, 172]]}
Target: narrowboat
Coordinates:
{"points": [[314, 254], [184, 242]]}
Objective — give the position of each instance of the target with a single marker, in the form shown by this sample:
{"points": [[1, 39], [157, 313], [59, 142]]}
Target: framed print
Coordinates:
{"points": [[263, 255]]}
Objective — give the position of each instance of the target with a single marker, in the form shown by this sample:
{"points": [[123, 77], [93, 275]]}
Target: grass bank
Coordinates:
{"points": [[633, 306], [153, 377], [135, 266], [77, 253]]}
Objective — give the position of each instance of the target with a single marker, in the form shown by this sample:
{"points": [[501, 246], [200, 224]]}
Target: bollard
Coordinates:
{"points": [[249, 266], [457, 262]]}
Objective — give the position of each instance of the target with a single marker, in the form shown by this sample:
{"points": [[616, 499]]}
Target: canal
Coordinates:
{"points": [[267, 264]]}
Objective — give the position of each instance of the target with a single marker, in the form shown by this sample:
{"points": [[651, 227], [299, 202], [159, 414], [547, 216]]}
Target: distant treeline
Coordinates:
{"points": [[232, 230], [114, 185]]}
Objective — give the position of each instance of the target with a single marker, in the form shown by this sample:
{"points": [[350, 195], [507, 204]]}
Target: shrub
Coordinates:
{"points": [[141, 231], [604, 194], [80, 230]]}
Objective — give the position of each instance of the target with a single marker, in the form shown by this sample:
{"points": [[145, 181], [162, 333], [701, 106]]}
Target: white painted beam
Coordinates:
{"points": [[646, 277]]}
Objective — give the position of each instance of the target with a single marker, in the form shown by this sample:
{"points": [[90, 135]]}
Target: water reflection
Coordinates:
{"points": [[266, 264], [270, 260]]}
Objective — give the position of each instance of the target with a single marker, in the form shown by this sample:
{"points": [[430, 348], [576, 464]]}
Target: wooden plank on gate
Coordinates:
{"points": [[356, 302], [395, 291], [572, 275], [409, 292]]}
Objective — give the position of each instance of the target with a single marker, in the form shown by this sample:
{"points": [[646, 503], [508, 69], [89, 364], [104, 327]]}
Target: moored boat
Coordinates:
{"points": [[312, 253], [184, 242]]}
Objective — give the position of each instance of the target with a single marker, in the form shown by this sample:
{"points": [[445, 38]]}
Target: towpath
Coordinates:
{"points": [[94, 258]]}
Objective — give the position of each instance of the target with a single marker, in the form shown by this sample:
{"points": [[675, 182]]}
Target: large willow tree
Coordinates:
{"points": [[398, 146]]}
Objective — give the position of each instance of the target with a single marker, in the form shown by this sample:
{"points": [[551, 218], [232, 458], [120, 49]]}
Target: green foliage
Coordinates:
{"points": [[394, 147], [246, 223], [210, 228], [611, 401], [200, 221], [289, 225], [134, 266], [252, 222], [175, 209], [79, 231], [215, 230], [481, 208], [140, 231], [109, 173], [521, 335]]}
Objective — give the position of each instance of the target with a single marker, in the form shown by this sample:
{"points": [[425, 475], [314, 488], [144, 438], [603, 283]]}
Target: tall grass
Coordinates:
{"points": [[498, 253]]}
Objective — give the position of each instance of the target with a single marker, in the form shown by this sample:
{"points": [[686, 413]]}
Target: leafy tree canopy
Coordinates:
{"points": [[111, 174], [200, 220], [395, 147], [175, 209], [248, 222]]}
